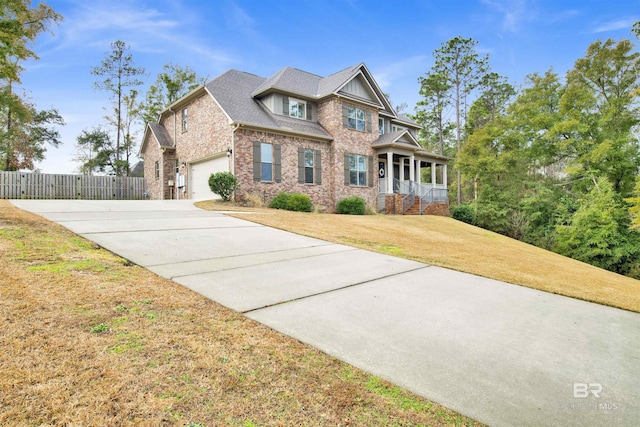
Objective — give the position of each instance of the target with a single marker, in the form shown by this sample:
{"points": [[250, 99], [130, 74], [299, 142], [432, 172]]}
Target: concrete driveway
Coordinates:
{"points": [[499, 353]]}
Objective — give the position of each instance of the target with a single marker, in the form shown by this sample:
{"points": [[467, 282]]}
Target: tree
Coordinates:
{"points": [[25, 133], [98, 152], [599, 232], [460, 68], [171, 84], [24, 130], [432, 112], [20, 25], [494, 96], [599, 112], [118, 72]]}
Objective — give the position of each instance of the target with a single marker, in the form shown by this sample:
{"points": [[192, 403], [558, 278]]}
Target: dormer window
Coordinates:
{"points": [[297, 108]]}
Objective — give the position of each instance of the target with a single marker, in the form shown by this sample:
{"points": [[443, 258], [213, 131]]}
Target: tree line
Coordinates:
{"points": [[554, 163]]}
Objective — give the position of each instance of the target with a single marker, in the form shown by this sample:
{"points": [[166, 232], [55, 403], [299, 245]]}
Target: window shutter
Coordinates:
{"points": [[285, 105], [309, 111], [370, 171], [277, 170], [257, 162], [345, 115], [346, 168], [318, 165], [369, 127], [300, 165]]}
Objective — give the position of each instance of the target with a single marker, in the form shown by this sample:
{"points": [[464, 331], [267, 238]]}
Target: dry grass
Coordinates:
{"points": [[453, 244], [89, 340]]}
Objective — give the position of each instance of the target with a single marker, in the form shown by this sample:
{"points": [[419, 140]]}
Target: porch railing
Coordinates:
{"points": [[408, 201], [433, 195]]}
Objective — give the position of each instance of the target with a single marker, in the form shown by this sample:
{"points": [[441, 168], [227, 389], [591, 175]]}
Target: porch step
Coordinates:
{"points": [[415, 209]]}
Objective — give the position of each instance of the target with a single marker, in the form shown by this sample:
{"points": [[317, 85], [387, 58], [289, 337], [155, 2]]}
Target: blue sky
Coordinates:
{"points": [[394, 38]]}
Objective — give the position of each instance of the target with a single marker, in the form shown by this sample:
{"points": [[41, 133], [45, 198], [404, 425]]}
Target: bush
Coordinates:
{"points": [[353, 205], [299, 202], [223, 184], [280, 201], [464, 213]]}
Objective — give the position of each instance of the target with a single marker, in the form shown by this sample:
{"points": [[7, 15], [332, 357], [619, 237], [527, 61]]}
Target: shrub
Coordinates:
{"points": [[299, 202], [280, 201], [353, 205], [223, 184], [253, 200], [464, 213]]}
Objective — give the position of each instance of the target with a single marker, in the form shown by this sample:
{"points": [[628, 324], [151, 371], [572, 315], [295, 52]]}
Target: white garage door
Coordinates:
{"points": [[200, 173]]}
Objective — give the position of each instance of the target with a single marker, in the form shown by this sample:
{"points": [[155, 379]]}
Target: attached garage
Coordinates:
{"points": [[199, 174]]}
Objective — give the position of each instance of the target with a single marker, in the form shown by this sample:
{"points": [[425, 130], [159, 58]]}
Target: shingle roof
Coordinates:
{"points": [[233, 91], [291, 80], [332, 83], [161, 135], [305, 84]]}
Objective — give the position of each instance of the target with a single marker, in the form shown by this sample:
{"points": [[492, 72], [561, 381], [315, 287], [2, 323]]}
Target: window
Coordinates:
{"points": [[297, 108], [267, 162], [308, 166], [358, 170], [266, 156], [395, 128], [157, 172], [177, 167], [184, 119], [381, 126], [357, 118]]}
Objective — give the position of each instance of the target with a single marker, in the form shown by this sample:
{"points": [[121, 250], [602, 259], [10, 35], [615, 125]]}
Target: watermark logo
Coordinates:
{"points": [[584, 390]]}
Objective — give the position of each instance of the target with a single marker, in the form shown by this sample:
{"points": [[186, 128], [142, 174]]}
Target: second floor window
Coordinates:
{"points": [[357, 118], [297, 108], [381, 126], [184, 119]]}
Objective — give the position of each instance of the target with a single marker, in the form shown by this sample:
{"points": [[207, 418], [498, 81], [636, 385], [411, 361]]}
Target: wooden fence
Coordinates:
{"points": [[26, 185]]}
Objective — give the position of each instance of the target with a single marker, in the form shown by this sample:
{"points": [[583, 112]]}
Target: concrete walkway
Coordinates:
{"points": [[502, 354]]}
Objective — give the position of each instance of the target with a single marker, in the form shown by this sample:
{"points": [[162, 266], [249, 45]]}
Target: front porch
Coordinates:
{"points": [[413, 186], [410, 179]]}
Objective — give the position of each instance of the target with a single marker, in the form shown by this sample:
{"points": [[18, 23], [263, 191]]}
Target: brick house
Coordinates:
{"points": [[293, 132]]}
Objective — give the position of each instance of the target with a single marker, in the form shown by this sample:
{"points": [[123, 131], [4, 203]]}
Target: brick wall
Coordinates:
{"points": [[350, 141], [320, 193], [152, 154]]}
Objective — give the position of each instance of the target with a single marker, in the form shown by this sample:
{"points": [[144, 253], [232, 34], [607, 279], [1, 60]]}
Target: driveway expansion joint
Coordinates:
{"points": [[352, 285]]}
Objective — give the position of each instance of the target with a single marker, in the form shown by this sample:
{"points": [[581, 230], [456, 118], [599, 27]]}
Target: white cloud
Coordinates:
{"points": [[513, 12], [620, 24]]}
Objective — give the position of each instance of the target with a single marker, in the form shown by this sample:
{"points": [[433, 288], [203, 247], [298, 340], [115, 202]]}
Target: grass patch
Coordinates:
{"points": [[119, 345], [449, 243]]}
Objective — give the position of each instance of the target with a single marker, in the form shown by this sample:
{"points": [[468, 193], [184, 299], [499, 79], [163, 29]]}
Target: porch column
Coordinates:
{"points": [[412, 168], [401, 169], [444, 175], [433, 174], [389, 173], [418, 169]]}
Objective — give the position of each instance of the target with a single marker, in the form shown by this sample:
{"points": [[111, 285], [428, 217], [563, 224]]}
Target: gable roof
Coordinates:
{"points": [[394, 139], [161, 135]]}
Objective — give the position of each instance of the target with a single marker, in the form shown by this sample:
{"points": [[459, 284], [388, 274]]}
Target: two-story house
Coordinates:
{"points": [[329, 137]]}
